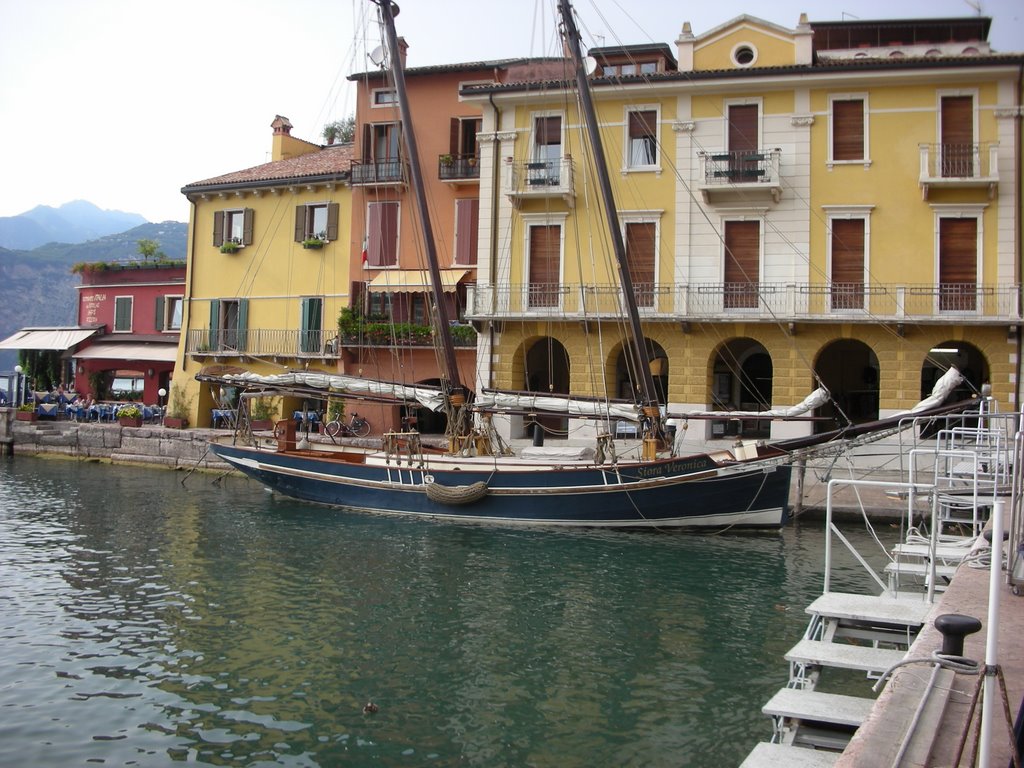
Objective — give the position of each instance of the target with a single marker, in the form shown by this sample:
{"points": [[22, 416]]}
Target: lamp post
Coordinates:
{"points": [[17, 385]]}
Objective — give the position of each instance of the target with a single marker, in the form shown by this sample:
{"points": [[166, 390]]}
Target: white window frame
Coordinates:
{"points": [[230, 216], [943, 92], [378, 100], [847, 213], [169, 301], [627, 164], [309, 230], [543, 220], [863, 97]]}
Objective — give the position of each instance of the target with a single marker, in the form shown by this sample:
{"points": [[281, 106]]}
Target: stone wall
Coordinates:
{"points": [[150, 444]]}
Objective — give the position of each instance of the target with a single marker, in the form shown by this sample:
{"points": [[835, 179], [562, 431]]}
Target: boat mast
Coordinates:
{"points": [[648, 392], [388, 11]]}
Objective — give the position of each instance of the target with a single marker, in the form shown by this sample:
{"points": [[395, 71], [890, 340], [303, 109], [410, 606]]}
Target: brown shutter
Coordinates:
{"points": [[640, 259], [247, 217], [958, 264], [641, 124], [467, 216], [848, 130], [218, 228], [367, 154], [383, 235], [848, 264], [549, 130], [545, 263], [957, 117], [453, 137], [300, 223], [743, 128], [742, 263], [332, 221]]}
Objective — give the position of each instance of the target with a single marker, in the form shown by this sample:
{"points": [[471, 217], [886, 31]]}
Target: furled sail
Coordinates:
{"points": [[491, 400], [949, 381], [816, 399], [429, 397]]}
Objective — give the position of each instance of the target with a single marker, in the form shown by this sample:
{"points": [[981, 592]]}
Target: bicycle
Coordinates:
{"points": [[357, 426]]}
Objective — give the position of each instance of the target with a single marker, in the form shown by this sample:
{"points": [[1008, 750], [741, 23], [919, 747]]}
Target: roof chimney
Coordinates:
{"points": [[282, 126], [403, 50]]}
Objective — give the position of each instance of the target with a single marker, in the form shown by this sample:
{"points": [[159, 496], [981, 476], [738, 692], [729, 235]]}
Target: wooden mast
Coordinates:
{"points": [[649, 394], [388, 11]]}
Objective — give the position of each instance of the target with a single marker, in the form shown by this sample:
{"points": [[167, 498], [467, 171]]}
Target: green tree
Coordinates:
{"points": [[341, 131], [149, 249]]}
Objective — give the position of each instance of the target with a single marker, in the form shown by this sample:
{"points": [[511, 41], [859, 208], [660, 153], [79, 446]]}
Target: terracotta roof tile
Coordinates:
{"points": [[333, 160]]}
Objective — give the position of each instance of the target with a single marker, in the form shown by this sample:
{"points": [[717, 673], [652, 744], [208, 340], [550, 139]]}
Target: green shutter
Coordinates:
{"points": [[218, 228], [243, 324], [300, 223], [158, 321], [122, 313], [214, 323], [247, 226], [332, 221]]}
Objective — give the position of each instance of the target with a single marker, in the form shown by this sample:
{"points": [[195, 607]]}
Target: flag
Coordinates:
{"points": [[365, 255]]}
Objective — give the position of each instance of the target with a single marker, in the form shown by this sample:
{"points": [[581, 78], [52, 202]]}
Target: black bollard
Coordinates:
{"points": [[538, 434], [954, 628]]}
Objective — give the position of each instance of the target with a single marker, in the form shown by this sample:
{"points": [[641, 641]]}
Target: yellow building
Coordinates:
{"points": [[835, 203], [268, 269]]}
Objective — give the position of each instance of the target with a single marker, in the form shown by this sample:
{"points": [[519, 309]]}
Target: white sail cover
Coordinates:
{"points": [[949, 381], [816, 399], [429, 397], [510, 401]]}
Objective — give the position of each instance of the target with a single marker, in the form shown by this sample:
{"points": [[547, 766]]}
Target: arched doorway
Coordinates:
{"points": [[741, 380], [547, 372], [626, 381], [426, 421], [967, 358], [849, 370]]}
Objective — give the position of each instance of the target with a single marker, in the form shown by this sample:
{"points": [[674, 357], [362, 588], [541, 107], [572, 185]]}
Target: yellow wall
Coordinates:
{"points": [[717, 53]]}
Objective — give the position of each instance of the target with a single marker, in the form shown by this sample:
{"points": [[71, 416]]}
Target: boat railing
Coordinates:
{"points": [[772, 301]]}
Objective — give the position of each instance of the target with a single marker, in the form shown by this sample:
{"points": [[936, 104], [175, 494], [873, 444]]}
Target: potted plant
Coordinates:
{"points": [[177, 409], [230, 246], [262, 413], [26, 412], [313, 241], [130, 416]]}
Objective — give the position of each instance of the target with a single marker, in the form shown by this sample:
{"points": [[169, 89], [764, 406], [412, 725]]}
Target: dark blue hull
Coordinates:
{"points": [[688, 492]]}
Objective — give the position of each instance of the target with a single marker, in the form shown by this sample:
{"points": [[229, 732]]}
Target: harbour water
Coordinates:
{"points": [[148, 621]]}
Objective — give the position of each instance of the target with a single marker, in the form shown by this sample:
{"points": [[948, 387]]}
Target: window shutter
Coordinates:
{"points": [[958, 250], [247, 217], [214, 341], [123, 313], [158, 321], [453, 137], [332, 221], [957, 119], [300, 223], [549, 130], [218, 228], [383, 235], [640, 251], [641, 124], [743, 128], [545, 263], [742, 268], [847, 263], [848, 130], [243, 324], [467, 224], [367, 143]]}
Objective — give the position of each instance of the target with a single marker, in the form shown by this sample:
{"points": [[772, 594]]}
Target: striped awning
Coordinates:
{"points": [[413, 280], [151, 353], [46, 338]]}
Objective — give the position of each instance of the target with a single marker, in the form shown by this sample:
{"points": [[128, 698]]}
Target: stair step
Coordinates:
{"points": [[766, 755]]}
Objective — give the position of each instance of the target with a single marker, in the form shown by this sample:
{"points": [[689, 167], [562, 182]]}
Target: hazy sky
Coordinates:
{"points": [[123, 102]]}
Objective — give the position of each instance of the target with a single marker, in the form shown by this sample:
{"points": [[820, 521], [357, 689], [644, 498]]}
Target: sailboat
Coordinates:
{"points": [[476, 480]]}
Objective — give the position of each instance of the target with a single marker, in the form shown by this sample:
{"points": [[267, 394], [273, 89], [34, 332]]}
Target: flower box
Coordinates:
{"points": [[26, 416], [172, 422], [129, 421], [312, 243]]}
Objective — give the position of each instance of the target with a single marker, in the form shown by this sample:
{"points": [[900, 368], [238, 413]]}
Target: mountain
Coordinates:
{"points": [[74, 222], [38, 288]]}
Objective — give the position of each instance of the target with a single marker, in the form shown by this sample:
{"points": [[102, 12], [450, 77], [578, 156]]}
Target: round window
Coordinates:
{"points": [[744, 55]]}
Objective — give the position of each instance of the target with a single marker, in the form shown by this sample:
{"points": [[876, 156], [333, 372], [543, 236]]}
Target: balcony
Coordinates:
{"points": [[959, 166], [730, 176], [458, 169], [540, 180], [379, 173], [966, 303], [262, 342]]}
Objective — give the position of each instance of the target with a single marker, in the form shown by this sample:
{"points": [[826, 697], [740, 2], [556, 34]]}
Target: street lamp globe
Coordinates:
{"points": [[162, 392], [18, 369]]}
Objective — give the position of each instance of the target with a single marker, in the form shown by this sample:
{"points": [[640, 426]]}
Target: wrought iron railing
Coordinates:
{"points": [[959, 161], [816, 302], [262, 342], [458, 167], [741, 167], [391, 171], [540, 178]]}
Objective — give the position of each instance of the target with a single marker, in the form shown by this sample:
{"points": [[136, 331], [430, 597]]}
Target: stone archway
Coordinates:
{"points": [[626, 380], [849, 369], [968, 359], [547, 371], [742, 377]]}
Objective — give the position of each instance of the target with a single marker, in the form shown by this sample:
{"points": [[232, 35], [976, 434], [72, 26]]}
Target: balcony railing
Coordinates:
{"points": [[458, 168], [962, 166], [790, 302], [727, 174], [262, 342], [378, 172], [540, 179]]}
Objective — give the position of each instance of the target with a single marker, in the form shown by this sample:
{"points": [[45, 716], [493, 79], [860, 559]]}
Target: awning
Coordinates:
{"points": [[155, 353], [46, 338], [413, 280]]}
